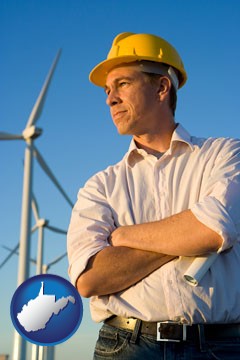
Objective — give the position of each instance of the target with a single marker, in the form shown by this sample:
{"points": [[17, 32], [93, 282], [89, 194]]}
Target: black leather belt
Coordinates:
{"points": [[171, 331]]}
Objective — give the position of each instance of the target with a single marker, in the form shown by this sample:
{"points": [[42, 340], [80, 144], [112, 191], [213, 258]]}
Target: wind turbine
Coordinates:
{"points": [[29, 134]]}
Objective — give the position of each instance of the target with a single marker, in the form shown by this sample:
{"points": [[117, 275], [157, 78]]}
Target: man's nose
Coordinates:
{"points": [[113, 98]]}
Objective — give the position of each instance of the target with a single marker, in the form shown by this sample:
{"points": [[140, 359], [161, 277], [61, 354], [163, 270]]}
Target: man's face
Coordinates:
{"points": [[133, 101]]}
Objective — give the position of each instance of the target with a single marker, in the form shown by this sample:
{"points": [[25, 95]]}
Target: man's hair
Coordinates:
{"points": [[172, 95]]}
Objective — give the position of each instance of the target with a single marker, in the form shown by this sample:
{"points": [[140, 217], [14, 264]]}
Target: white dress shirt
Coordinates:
{"points": [[194, 173]]}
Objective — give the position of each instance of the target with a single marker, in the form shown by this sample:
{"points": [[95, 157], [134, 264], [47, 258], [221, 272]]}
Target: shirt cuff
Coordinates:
{"points": [[78, 265], [214, 215]]}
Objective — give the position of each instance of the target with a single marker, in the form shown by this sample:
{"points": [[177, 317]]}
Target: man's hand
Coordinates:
{"points": [[117, 236]]}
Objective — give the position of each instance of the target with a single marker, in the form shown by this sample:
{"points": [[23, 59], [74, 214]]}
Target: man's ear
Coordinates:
{"points": [[164, 86]]}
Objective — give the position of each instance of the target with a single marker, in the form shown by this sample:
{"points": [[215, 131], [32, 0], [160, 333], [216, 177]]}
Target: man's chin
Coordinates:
{"points": [[124, 130]]}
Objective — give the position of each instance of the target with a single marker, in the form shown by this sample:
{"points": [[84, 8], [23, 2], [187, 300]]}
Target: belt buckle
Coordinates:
{"points": [[183, 335]]}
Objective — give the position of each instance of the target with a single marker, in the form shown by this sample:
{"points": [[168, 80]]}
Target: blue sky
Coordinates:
{"points": [[78, 137]]}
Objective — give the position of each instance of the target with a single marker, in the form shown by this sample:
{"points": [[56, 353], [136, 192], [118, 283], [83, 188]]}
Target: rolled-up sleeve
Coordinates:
{"points": [[219, 205], [90, 226]]}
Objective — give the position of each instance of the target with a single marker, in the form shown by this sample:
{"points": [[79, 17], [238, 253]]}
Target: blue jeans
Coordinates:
{"points": [[118, 344]]}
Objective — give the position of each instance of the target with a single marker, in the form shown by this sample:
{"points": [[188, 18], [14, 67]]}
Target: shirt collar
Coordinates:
{"points": [[180, 135]]}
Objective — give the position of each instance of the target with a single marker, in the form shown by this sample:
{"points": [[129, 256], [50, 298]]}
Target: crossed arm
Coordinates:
{"points": [[138, 250]]}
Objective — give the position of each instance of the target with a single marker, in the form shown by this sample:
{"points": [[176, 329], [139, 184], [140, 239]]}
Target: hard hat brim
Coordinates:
{"points": [[99, 73]]}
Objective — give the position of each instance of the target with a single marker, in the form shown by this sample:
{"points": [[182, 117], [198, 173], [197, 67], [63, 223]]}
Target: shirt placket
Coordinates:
{"points": [[161, 189], [168, 274]]}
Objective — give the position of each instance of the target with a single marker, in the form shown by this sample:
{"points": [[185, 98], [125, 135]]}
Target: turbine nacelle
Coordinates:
{"points": [[42, 223], [31, 132]]}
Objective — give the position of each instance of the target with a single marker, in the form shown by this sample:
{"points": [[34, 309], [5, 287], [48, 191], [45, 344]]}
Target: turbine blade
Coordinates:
{"points": [[16, 252], [7, 136], [34, 228], [13, 251], [56, 260], [9, 249], [47, 170], [37, 109], [55, 229], [35, 208]]}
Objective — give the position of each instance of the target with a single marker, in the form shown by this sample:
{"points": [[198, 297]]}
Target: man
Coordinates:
{"points": [[138, 225]]}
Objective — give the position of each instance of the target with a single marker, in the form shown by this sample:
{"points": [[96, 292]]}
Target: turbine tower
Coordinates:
{"points": [[29, 134], [43, 352]]}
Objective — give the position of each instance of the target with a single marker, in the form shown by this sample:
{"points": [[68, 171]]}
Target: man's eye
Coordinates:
{"points": [[123, 83], [107, 91]]}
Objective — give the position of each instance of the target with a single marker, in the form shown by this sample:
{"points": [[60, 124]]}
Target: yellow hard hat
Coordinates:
{"points": [[129, 47]]}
